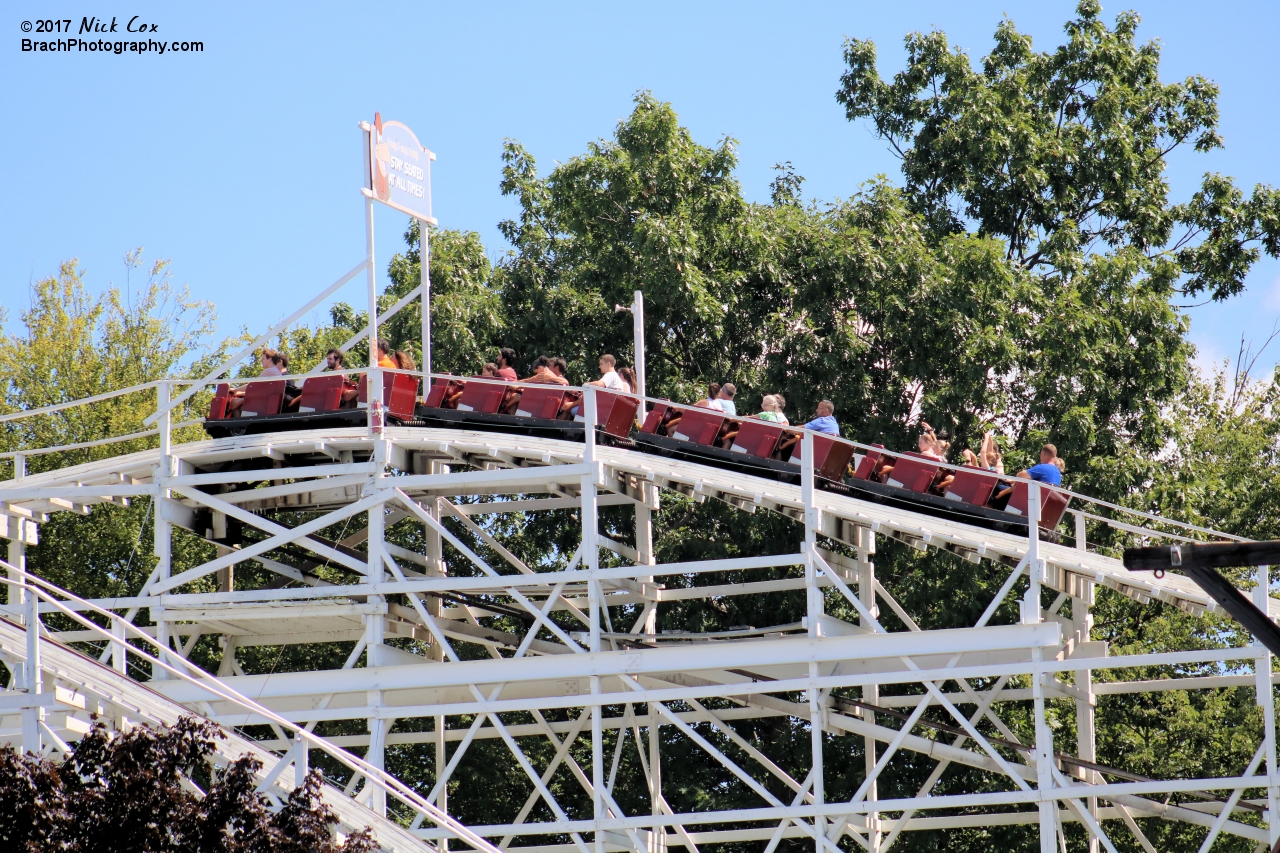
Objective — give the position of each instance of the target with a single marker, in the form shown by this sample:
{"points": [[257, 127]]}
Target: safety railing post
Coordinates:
{"points": [[31, 717], [591, 563], [375, 623], [1035, 568], [637, 321], [119, 648], [814, 610], [162, 541], [17, 547], [300, 760], [373, 382], [1031, 614], [1266, 701], [866, 550]]}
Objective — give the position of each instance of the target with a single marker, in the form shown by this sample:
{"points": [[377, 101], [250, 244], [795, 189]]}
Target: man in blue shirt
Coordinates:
{"points": [[724, 400], [1046, 472], [825, 421]]}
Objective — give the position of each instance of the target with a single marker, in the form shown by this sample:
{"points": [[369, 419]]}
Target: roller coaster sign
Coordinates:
{"points": [[398, 172]]}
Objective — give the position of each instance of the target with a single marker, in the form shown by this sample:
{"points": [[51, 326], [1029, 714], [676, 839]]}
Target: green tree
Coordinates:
{"points": [[73, 345], [1062, 154], [468, 319], [648, 210]]}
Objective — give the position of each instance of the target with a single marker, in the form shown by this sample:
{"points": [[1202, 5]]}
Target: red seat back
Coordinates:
{"points": [[654, 418], [321, 394], [757, 437], [1052, 508], [621, 413], [698, 425], [218, 405], [436, 396], [399, 393], [868, 463], [971, 487], [605, 401], [540, 401], [913, 472], [484, 397], [263, 398], [831, 457], [1052, 503]]}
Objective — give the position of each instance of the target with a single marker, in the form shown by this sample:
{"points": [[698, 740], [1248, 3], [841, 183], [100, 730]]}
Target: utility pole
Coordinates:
{"points": [[1201, 562]]}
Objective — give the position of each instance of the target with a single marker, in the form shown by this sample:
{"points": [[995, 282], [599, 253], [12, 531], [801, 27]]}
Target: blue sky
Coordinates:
{"points": [[241, 163]]}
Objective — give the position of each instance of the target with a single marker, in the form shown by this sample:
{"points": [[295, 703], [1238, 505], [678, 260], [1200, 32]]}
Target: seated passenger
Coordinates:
{"points": [[1049, 472], [609, 377], [403, 360], [769, 407], [628, 376], [824, 422], [506, 365], [267, 358], [937, 450], [335, 360], [540, 373], [490, 371], [782, 409], [930, 445], [711, 401], [672, 419], [609, 380], [543, 373], [724, 400], [384, 355]]}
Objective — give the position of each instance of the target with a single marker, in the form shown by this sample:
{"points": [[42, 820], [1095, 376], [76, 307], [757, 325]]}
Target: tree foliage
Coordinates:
{"points": [[1062, 154], [73, 345], [138, 792]]}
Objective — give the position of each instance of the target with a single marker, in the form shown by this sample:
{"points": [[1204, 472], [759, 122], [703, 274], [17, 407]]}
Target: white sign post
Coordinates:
{"points": [[397, 174]]}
